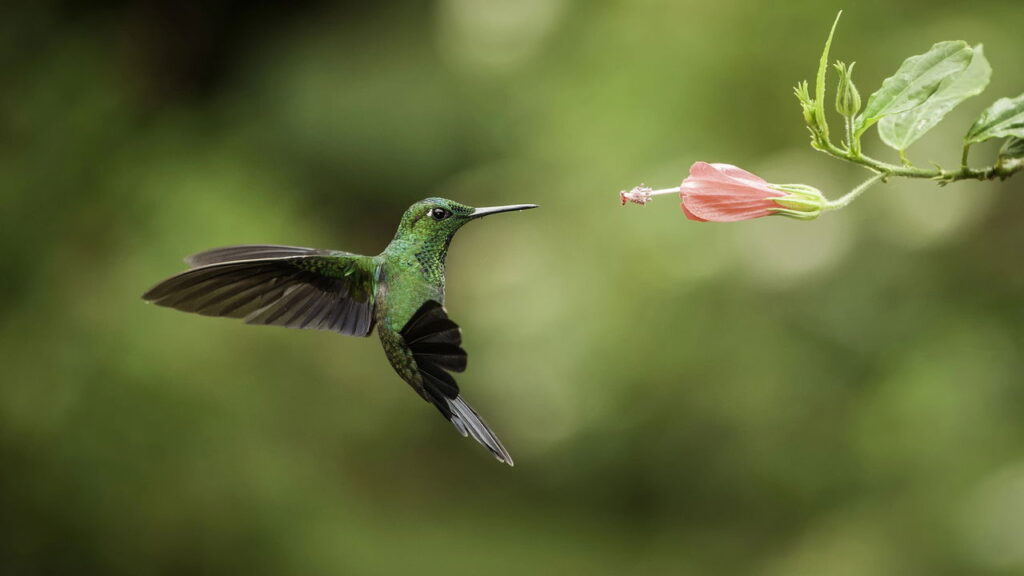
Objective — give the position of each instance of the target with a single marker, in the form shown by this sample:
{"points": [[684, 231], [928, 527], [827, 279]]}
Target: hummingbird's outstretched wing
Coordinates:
{"points": [[252, 252], [276, 285], [435, 343]]}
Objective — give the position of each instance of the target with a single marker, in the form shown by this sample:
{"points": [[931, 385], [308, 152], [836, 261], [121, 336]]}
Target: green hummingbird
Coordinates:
{"points": [[400, 291]]}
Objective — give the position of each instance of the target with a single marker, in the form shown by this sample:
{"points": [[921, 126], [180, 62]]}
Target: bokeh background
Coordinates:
{"points": [[844, 396]]}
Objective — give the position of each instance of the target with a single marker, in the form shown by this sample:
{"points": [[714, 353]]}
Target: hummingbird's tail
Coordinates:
{"points": [[436, 345], [468, 422]]}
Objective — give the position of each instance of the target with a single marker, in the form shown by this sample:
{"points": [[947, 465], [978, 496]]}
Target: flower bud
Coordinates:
{"points": [[806, 105], [847, 96]]}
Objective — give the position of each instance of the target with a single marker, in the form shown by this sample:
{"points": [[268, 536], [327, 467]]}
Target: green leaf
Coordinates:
{"points": [[1011, 156], [1012, 149], [1002, 119], [819, 83], [915, 81], [901, 130]]}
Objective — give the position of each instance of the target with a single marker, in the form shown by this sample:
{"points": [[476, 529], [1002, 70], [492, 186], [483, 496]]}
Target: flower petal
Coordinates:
{"points": [[691, 215], [717, 210], [693, 187], [725, 193], [723, 173]]}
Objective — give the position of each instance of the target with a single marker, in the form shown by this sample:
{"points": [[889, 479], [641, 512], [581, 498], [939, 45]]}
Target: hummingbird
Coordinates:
{"points": [[400, 292]]}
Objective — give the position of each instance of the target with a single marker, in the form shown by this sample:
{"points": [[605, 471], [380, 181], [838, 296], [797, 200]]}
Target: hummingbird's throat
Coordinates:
{"points": [[432, 263], [431, 257]]}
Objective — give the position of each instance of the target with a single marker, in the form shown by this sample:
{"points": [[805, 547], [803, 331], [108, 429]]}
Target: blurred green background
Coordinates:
{"points": [[772, 397]]}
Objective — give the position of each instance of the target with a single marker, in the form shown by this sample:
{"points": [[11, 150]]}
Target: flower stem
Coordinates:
{"points": [[939, 174], [853, 194]]}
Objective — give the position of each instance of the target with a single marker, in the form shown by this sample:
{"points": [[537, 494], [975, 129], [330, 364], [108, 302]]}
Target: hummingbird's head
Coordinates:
{"points": [[440, 218]]}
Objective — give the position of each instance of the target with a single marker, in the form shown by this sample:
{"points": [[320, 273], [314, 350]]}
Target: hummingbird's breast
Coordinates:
{"points": [[407, 281], [402, 288]]}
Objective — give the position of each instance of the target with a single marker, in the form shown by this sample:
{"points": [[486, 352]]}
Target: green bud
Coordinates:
{"points": [[847, 97], [801, 201], [808, 112], [806, 104]]}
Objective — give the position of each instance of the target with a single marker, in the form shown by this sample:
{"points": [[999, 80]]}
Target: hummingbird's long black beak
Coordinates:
{"points": [[481, 212]]}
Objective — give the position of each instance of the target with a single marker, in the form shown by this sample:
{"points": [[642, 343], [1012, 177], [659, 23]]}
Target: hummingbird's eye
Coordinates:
{"points": [[439, 214]]}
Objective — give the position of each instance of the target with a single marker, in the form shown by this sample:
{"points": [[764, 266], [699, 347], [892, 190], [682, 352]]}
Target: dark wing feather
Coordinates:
{"points": [[436, 346], [251, 252], [318, 290]]}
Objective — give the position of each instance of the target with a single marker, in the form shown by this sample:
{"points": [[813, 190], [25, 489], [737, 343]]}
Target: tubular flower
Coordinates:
{"points": [[725, 193]]}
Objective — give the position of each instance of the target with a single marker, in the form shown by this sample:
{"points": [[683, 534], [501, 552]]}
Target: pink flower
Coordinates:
{"points": [[725, 193]]}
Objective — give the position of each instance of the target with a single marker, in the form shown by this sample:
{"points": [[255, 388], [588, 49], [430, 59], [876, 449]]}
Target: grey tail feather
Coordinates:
{"points": [[468, 422]]}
